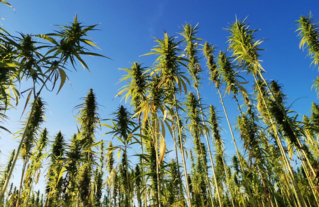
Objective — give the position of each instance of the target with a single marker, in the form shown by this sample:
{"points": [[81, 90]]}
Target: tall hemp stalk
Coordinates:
{"points": [[136, 90], [74, 155], [213, 121], [248, 131], [54, 183], [98, 179], [245, 50], [309, 33], [208, 52], [150, 107], [156, 94], [151, 162], [197, 129], [35, 121], [292, 136], [33, 173], [168, 66], [189, 33], [176, 145], [109, 167], [123, 130], [264, 95], [89, 121], [71, 43], [230, 78], [6, 170]]}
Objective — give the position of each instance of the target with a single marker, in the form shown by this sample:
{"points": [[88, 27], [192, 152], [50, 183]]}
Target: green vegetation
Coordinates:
{"points": [[84, 172]]}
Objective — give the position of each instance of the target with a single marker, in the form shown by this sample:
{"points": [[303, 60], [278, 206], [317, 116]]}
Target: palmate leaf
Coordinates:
{"points": [[72, 43], [309, 33], [27, 101]]}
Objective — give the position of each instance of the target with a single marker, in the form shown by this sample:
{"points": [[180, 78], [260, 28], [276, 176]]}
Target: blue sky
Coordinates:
{"points": [[126, 32]]}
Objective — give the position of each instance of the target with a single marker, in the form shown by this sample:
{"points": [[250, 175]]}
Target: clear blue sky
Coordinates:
{"points": [[126, 32]]}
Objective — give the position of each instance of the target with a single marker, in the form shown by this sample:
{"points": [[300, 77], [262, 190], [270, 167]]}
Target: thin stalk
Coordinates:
{"points": [[182, 152], [20, 144], [127, 180], [178, 171], [237, 151], [308, 178], [209, 150], [261, 174], [238, 105], [299, 151], [21, 181], [228, 184], [157, 164], [207, 180], [144, 181], [286, 161]]}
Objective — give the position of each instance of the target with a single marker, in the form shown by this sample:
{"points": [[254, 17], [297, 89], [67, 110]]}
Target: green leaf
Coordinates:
{"points": [[130, 136], [106, 125], [27, 101], [169, 128], [3, 30], [184, 86], [91, 43], [6, 3], [62, 171], [81, 61], [63, 77], [10, 65], [48, 38], [93, 54]]}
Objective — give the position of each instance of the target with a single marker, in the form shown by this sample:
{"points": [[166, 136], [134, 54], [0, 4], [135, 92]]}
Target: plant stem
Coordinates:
{"points": [[21, 181], [209, 150], [286, 161], [3, 190], [182, 152], [237, 151]]}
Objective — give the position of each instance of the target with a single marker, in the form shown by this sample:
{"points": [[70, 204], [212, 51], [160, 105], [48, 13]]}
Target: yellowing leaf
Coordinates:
{"points": [[119, 154], [91, 43], [129, 138], [162, 149], [165, 114]]}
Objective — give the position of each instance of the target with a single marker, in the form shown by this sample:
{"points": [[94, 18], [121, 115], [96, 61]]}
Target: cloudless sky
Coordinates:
{"points": [[126, 32]]}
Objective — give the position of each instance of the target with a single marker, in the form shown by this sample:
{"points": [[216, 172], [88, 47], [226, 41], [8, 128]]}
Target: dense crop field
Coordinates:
{"points": [[165, 104]]}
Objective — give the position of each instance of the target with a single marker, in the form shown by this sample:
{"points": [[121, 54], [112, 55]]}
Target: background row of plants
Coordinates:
{"points": [[135, 170]]}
